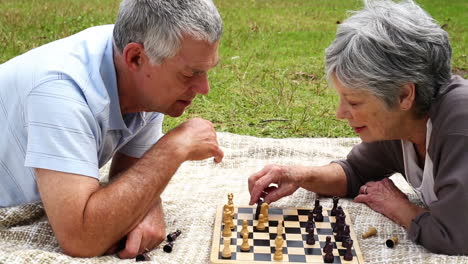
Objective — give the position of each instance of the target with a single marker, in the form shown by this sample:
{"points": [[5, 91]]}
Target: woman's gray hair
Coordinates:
{"points": [[386, 45], [160, 24]]}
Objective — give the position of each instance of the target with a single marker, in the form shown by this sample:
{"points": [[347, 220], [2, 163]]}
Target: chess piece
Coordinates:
{"points": [[345, 234], [260, 223], [372, 231], [335, 205], [142, 257], [226, 249], [245, 247], [227, 223], [316, 205], [346, 242], [340, 221], [349, 254], [328, 258], [318, 214], [328, 244], [278, 248], [244, 227], [279, 229], [173, 236], [259, 206], [391, 242], [168, 247], [310, 237], [264, 211], [310, 224], [231, 219]]}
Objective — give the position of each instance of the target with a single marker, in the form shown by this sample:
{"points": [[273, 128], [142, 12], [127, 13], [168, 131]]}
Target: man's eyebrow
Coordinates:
{"points": [[197, 71]]}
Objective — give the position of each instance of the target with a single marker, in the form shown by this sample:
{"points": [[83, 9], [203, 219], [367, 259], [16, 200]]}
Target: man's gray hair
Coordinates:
{"points": [[386, 45], [160, 24]]}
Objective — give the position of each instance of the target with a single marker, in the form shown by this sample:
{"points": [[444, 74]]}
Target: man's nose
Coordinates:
{"points": [[201, 85]]}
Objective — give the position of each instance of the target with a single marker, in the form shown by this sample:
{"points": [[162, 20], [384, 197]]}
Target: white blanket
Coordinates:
{"points": [[197, 188]]}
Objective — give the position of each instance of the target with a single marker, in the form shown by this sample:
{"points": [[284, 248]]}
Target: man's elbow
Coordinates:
{"points": [[82, 248]]}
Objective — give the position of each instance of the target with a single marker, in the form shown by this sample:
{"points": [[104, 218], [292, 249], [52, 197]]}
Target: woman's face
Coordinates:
{"points": [[369, 117]]}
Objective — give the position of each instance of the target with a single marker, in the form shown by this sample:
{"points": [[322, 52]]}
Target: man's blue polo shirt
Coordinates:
{"points": [[59, 110]]}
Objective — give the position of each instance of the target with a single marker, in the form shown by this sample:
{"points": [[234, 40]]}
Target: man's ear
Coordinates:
{"points": [[134, 56], [407, 96]]}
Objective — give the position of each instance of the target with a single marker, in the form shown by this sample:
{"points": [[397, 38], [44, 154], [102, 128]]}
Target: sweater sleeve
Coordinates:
{"points": [[443, 228], [371, 162]]}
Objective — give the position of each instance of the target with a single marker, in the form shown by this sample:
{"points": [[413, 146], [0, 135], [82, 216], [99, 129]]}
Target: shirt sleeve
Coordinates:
{"points": [[61, 130], [371, 162], [443, 228], [146, 137]]}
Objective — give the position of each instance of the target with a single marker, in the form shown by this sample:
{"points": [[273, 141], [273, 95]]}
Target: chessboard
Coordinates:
{"points": [[295, 248]]}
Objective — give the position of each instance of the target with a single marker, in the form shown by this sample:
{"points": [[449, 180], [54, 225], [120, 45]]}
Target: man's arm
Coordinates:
{"points": [[88, 219], [120, 163]]}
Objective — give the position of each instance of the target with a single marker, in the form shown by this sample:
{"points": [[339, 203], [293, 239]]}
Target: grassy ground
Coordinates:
{"points": [[270, 80]]}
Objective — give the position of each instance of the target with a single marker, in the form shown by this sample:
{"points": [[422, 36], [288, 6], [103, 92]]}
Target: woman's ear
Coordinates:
{"points": [[407, 96], [134, 56]]}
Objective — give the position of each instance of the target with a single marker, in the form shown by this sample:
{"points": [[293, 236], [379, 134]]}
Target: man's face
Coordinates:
{"points": [[170, 87]]}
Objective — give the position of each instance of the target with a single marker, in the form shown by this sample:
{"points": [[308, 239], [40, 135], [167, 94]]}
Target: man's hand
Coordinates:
{"points": [[145, 237], [385, 198], [196, 138], [259, 183]]}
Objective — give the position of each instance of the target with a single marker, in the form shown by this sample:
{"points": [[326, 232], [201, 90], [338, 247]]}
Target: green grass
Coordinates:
{"points": [[270, 80]]}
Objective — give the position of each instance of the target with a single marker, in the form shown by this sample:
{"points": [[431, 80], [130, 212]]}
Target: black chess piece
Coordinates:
{"points": [[168, 247], [335, 205], [345, 234], [329, 258], [142, 257], [346, 242], [310, 224], [259, 205], [349, 254], [316, 205], [328, 244], [173, 236], [310, 237], [318, 214]]}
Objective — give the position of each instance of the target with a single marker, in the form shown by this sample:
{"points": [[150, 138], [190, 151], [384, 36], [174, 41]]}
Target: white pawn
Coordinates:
{"points": [[227, 248], [245, 247], [264, 211], [278, 248], [261, 222], [244, 227]]}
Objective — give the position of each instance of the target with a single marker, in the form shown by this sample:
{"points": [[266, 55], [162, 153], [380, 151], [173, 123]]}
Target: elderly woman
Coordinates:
{"points": [[390, 65]]}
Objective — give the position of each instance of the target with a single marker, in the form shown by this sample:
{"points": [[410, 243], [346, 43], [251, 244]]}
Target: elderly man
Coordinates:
{"points": [[70, 106]]}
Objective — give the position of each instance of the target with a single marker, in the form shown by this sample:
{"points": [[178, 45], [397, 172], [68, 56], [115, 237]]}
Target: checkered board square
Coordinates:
{"points": [[295, 248]]}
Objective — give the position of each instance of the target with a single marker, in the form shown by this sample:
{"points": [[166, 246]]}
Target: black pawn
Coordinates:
{"points": [[346, 242], [142, 257], [335, 205], [329, 258], [316, 205], [318, 214], [328, 245], [349, 255], [259, 206], [168, 247], [173, 236], [310, 237], [310, 223]]}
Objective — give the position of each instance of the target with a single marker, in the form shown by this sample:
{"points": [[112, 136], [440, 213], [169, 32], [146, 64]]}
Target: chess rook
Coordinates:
{"points": [[174, 235]]}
